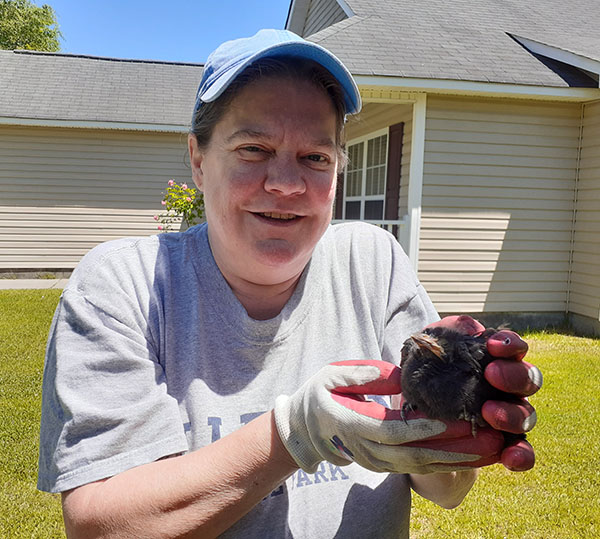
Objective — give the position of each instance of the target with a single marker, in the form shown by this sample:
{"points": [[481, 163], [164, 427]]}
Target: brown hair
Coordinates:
{"points": [[300, 69]]}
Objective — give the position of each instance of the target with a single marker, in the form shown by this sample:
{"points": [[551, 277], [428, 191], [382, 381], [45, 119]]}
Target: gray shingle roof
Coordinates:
{"points": [[434, 39], [464, 39], [78, 88]]}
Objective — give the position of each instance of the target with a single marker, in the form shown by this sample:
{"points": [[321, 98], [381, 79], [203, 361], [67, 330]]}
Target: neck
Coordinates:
{"points": [[263, 302]]}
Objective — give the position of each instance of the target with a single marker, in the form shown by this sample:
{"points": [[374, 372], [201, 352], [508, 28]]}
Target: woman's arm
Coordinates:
{"points": [[445, 489], [199, 494]]}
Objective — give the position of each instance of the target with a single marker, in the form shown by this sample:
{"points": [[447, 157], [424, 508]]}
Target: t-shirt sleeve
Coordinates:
{"points": [[105, 405], [409, 307]]}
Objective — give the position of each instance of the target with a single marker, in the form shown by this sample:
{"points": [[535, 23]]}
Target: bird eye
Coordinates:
{"points": [[507, 341]]}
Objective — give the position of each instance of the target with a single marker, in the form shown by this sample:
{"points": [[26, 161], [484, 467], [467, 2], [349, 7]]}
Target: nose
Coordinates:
{"points": [[284, 176]]}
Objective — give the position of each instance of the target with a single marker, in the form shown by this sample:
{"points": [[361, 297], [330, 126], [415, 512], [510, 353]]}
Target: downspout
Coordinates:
{"points": [[574, 214], [415, 184]]}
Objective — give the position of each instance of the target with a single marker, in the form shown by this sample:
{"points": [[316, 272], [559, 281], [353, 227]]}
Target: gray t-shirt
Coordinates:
{"points": [[151, 354]]}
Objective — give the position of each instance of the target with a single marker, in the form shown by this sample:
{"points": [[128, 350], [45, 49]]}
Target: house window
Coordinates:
{"points": [[365, 177]]}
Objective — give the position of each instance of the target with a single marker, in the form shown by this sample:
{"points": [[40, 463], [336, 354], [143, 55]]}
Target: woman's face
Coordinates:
{"points": [[268, 178]]}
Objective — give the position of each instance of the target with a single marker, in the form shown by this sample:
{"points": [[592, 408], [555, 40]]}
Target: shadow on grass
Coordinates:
{"points": [[534, 323]]}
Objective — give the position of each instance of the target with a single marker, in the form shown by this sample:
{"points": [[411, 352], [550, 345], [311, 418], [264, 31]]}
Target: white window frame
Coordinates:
{"points": [[363, 197]]}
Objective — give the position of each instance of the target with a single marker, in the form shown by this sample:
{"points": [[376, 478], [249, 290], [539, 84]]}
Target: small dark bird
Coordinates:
{"points": [[442, 371]]}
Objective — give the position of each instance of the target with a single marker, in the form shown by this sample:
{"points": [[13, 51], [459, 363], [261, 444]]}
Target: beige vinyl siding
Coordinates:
{"points": [[321, 14], [497, 207], [375, 116], [584, 298], [63, 191]]}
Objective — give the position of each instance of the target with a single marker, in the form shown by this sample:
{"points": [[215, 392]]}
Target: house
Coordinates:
{"points": [[87, 146], [478, 144], [490, 112]]}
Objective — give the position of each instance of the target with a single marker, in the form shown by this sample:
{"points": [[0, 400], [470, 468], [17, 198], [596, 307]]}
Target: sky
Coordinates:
{"points": [[170, 30]]}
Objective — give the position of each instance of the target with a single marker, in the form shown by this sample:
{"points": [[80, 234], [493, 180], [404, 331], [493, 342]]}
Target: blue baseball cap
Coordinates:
{"points": [[231, 58]]}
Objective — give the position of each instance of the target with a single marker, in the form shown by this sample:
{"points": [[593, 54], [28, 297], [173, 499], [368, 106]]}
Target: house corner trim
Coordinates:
{"points": [[415, 186]]}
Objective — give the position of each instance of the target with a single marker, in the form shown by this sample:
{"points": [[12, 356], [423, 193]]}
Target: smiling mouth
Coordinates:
{"points": [[279, 216]]}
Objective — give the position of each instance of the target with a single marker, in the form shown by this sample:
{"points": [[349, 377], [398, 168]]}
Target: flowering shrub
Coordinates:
{"points": [[182, 203]]}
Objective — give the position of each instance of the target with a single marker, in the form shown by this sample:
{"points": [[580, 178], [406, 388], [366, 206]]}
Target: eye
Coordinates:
{"points": [[252, 153], [506, 341], [317, 158]]}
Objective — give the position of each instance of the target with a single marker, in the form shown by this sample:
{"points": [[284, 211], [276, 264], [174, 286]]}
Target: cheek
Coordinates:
{"points": [[225, 199], [216, 201], [226, 187], [333, 187], [325, 190], [247, 176]]}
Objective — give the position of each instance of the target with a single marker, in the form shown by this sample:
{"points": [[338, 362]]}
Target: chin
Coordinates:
{"points": [[281, 259]]}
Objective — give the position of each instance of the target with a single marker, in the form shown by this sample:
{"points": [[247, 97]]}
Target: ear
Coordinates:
{"points": [[196, 157]]}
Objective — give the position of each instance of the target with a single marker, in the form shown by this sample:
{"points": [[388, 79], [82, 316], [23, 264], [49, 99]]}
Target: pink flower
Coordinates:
{"points": [[160, 227], [163, 202], [156, 217], [184, 186], [188, 199], [171, 182]]}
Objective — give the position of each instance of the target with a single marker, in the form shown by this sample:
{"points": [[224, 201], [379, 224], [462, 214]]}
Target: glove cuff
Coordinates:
{"points": [[294, 434]]}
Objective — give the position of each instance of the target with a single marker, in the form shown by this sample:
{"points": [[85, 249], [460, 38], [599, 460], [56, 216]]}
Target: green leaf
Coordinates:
{"points": [[23, 25]]}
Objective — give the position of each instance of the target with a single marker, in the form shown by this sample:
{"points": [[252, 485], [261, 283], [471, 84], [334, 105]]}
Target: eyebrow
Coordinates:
{"points": [[243, 133], [262, 135]]}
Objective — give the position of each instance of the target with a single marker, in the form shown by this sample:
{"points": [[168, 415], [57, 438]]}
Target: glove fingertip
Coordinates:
{"points": [[513, 417], [535, 375], [518, 457], [517, 377]]}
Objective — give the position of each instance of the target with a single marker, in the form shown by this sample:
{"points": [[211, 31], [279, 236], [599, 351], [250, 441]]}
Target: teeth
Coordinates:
{"points": [[284, 216]]}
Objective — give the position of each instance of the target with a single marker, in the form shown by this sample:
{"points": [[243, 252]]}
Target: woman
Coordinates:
{"points": [[188, 386]]}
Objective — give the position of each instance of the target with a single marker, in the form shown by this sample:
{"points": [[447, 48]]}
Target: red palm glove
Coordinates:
{"points": [[329, 418], [511, 374]]}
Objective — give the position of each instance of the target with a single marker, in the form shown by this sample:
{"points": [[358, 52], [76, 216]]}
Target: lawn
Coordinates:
{"points": [[25, 317], [557, 499]]}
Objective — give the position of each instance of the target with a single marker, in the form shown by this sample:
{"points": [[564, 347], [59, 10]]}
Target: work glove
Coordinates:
{"points": [[330, 418], [511, 374]]}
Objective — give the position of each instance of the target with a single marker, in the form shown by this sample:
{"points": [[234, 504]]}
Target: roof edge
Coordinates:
{"points": [[85, 124], [562, 55], [103, 58], [371, 84], [346, 8]]}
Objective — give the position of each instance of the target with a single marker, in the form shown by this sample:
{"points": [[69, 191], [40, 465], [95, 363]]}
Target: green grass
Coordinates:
{"points": [[557, 499], [25, 317]]}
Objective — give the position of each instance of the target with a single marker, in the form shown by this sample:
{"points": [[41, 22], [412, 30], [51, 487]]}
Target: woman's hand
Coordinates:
{"points": [[330, 418], [510, 374]]}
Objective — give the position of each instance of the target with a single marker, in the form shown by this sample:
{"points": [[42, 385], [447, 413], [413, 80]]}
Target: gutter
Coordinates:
{"points": [[385, 89], [574, 215]]}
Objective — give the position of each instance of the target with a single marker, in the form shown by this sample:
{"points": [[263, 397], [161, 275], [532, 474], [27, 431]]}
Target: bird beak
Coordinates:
{"points": [[422, 340]]}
